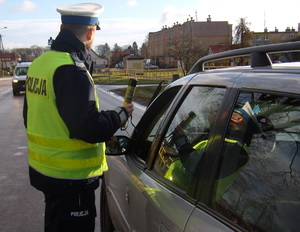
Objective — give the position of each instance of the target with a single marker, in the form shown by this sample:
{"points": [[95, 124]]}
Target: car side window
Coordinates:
{"points": [[149, 123], [258, 180], [185, 141]]}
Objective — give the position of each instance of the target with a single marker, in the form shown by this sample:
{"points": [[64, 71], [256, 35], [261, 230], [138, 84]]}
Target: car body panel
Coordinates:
{"points": [[201, 221], [121, 209], [275, 81], [145, 198]]}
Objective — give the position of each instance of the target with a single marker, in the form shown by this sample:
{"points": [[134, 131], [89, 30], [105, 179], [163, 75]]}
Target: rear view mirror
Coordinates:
{"points": [[117, 145]]}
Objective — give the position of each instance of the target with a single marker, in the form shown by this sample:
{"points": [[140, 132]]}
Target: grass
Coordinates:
{"points": [[114, 80], [142, 95]]}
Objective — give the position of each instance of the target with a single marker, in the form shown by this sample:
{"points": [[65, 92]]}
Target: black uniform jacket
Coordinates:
{"points": [[75, 101]]}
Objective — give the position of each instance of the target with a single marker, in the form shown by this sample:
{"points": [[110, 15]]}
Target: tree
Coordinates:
{"points": [[130, 49], [243, 35], [102, 49], [242, 39], [135, 48], [125, 47], [28, 54], [117, 54], [144, 50], [117, 47], [36, 51], [186, 48]]}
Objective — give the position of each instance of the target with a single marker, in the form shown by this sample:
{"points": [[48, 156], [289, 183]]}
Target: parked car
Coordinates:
{"points": [[217, 150], [19, 78], [119, 65], [151, 66]]}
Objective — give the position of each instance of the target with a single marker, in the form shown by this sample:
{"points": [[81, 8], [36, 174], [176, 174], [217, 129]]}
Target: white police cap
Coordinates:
{"points": [[83, 13]]}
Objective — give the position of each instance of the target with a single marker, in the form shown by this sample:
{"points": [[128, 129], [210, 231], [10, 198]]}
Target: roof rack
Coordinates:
{"points": [[259, 55]]}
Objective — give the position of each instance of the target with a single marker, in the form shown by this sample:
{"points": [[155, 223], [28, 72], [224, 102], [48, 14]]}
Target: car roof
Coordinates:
{"points": [[259, 55], [260, 74], [23, 64]]}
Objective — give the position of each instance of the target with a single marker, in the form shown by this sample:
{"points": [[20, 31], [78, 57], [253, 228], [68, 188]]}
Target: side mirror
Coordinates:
{"points": [[117, 145]]}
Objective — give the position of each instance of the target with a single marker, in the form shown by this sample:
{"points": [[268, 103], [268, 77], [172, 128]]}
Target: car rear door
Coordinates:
{"points": [[254, 183]]}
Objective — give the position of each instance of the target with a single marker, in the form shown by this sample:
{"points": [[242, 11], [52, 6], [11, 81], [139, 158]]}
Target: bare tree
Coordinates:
{"points": [[117, 54], [101, 49], [242, 38], [144, 50], [243, 35], [186, 48], [28, 54]]}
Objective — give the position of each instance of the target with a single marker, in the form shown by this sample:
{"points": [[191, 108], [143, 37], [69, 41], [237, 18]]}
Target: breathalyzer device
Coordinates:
{"points": [[130, 91]]}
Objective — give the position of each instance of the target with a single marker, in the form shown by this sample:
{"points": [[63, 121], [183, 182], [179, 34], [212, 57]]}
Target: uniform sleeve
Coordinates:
{"points": [[76, 105]]}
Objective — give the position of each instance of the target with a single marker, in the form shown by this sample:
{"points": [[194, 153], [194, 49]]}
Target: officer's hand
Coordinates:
{"points": [[129, 108]]}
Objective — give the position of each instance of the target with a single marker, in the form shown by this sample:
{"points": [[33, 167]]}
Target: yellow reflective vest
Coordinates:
{"points": [[50, 150], [178, 174]]}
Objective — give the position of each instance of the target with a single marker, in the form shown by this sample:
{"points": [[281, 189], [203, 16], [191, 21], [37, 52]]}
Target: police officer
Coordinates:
{"points": [[65, 128]]}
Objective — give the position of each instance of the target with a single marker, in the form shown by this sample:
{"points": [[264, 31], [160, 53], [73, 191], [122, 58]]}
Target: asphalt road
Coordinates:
{"points": [[22, 206]]}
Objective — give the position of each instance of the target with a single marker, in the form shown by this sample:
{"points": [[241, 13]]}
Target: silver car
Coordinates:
{"points": [[217, 150]]}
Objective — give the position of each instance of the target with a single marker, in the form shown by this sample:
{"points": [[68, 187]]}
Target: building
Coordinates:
{"points": [[213, 49], [276, 36], [97, 60], [8, 61], [133, 61], [207, 33]]}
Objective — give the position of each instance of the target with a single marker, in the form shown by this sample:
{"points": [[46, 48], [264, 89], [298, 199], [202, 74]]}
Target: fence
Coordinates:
{"points": [[4, 73], [166, 74]]}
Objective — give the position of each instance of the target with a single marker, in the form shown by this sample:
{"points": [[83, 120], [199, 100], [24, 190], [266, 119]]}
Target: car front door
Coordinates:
{"points": [[162, 185]]}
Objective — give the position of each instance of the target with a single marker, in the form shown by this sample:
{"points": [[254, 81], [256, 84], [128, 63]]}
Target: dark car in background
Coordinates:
{"points": [[189, 167]]}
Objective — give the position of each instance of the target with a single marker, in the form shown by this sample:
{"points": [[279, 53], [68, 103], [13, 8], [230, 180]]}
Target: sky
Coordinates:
{"points": [[33, 22]]}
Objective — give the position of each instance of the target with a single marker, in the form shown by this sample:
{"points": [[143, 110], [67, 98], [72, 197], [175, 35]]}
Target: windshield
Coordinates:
{"points": [[21, 71]]}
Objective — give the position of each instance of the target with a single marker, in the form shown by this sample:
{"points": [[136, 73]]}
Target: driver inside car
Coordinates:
{"points": [[243, 124]]}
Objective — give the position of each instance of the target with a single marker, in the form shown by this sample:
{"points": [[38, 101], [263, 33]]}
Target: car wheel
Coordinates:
{"points": [[105, 220]]}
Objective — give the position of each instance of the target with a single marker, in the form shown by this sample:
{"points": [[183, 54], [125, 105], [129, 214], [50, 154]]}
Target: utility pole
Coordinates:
{"points": [[1, 52], [265, 20]]}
